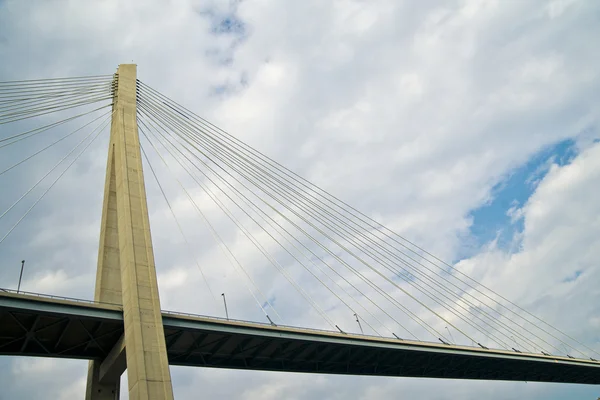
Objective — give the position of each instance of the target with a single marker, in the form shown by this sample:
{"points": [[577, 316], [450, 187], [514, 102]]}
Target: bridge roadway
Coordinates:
{"points": [[35, 325]]}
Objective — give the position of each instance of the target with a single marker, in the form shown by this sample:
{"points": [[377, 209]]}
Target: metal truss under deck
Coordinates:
{"points": [[46, 327]]}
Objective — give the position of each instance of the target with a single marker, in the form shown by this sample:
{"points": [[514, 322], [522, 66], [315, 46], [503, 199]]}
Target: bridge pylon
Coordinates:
{"points": [[126, 272]]}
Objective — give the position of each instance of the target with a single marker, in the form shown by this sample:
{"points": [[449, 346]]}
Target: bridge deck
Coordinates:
{"points": [[51, 327]]}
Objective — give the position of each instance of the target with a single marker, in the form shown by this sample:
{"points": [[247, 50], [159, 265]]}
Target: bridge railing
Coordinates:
{"points": [[266, 324], [51, 296], [178, 313]]}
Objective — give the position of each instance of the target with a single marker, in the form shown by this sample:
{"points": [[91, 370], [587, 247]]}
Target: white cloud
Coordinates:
{"points": [[556, 262], [409, 111]]}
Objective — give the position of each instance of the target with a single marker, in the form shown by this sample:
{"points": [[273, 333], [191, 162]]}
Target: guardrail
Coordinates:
{"points": [[51, 296], [266, 324], [221, 319], [178, 313]]}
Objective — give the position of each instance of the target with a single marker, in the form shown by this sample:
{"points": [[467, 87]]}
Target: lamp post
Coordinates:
{"points": [[359, 325], [21, 275], [225, 304]]}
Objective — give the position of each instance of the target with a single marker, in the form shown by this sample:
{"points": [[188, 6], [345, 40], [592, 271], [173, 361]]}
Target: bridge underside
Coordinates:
{"points": [[34, 326]]}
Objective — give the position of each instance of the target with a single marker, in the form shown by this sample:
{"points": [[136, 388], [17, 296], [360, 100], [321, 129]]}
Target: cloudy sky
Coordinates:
{"points": [[470, 127]]}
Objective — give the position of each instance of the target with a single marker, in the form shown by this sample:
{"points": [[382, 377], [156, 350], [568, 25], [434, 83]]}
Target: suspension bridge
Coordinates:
{"points": [[423, 317]]}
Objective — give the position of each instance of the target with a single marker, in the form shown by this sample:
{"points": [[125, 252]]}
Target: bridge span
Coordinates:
{"points": [[38, 325]]}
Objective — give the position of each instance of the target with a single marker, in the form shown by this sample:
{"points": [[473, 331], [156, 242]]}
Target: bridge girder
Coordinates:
{"points": [[34, 326]]}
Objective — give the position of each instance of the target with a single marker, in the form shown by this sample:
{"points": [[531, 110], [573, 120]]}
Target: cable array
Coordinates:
{"points": [[344, 265], [27, 99], [50, 104], [390, 282]]}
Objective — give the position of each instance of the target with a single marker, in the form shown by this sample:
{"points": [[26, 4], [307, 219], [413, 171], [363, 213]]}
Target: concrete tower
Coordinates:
{"points": [[126, 273]]}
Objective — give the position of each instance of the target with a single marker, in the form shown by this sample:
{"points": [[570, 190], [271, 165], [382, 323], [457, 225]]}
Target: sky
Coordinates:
{"points": [[469, 127]]}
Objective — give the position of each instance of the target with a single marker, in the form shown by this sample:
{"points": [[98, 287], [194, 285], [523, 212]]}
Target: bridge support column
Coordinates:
{"points": [[114, 364], [100, 391], [126, 273]]}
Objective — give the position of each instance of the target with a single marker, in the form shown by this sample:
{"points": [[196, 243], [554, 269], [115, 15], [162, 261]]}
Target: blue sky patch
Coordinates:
{"points": [[224, 23], [272, 300], [492, 220], [573, 277], [228, 24], [227, 88]]}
